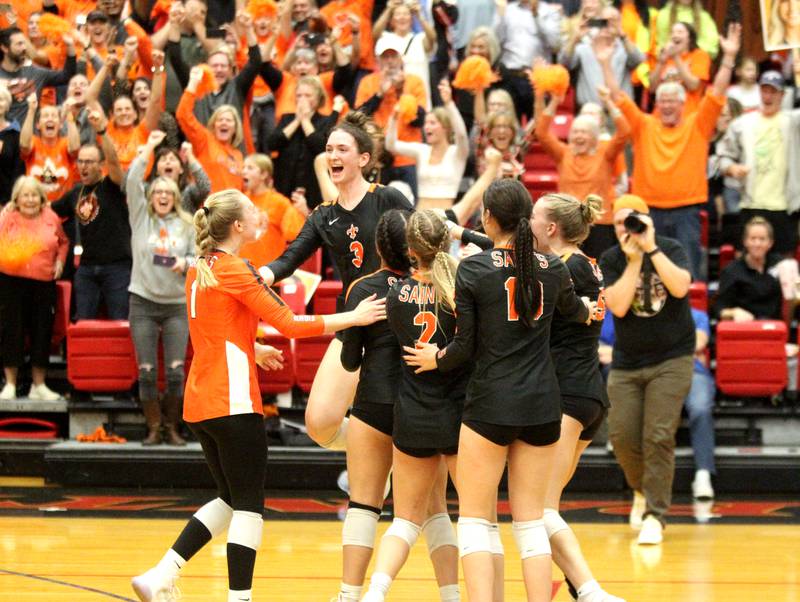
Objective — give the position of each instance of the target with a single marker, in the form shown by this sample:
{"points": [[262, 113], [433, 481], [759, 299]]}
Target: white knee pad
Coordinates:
{"points": [[531, 538], [438, 532], [553, 523], [359, 528], [473, 536], [495, 541], [246, 529], [405, 530], [339, 441], [215, 515]]}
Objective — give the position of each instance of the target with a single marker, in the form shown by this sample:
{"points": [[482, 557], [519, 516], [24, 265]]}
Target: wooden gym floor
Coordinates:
{"points": [[67, 546]]}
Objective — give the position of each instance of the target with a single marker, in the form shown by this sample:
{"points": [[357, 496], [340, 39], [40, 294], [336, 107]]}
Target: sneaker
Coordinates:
{"points": [[9, 392], [652, 532], [155, 586], [638, 507], [599, 596], [701, 486], [42, 393]]}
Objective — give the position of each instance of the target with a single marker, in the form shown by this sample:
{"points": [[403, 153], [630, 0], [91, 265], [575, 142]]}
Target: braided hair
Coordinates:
{"points": [[429, 238], [212, 224], [390, 239]]}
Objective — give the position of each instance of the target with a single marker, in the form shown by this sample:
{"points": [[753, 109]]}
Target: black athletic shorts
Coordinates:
{"points": [[538, 435], [589, 412], [379, 416], [427, 452]]}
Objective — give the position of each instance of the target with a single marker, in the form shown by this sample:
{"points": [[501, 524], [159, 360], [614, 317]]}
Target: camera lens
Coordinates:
{"points": [[633, 224]]}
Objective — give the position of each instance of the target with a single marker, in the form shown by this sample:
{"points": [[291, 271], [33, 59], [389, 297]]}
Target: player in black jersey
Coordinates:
{"points": [[346, 228], [369, 435], [427, 414], [505, 300], [560, 224]]}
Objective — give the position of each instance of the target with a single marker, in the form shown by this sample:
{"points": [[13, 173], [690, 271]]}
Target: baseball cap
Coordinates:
{"points": [[387, 43], [97, 15], [631, 201], [772, 78]]}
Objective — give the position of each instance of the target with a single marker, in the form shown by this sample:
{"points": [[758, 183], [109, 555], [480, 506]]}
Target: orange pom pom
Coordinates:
{"points": [[18, 249], [161, 9], [474, 73], [208, 84], [259, 9], [407, 109], [550, 78], [53, 27]]}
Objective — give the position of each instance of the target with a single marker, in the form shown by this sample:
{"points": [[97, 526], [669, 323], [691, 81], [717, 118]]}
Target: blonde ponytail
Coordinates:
{"points": [[443, 277], [212, 224], [574, 218], [429, 239]]}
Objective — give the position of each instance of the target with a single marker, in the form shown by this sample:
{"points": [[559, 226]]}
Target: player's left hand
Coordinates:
{"points": [[269, 358], [423, 357]]}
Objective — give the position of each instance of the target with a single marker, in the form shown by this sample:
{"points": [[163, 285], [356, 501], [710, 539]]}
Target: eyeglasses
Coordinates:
{"points": [[87, 161], [155, 192]]}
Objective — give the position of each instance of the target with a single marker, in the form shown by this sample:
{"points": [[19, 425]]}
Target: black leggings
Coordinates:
{"points": [[235, 448]]}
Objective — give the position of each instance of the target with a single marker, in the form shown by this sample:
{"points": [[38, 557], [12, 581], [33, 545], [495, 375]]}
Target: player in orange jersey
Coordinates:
{"points": [[222, 403]]}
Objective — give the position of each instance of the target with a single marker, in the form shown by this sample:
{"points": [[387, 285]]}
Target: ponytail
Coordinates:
{"points": [[528, 293], [212, 224], [443, 277], [574, 219], [205, 277]]}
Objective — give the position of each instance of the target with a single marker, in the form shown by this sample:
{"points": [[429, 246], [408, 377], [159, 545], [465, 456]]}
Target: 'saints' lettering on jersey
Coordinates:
{"points": [[502, 260], [543, 262], [427, 320], [418, 294], [511, 288]]}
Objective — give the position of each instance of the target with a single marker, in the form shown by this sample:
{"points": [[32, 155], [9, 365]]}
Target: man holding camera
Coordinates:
{"points": [[647, 284]]}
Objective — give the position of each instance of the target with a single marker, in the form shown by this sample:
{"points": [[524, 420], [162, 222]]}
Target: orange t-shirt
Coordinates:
{"points": [[127, 141], [23, 9], [335, 13], [223, 162], [222, 324], [285, 223], [285, 100], [581, 175], [52, 164], [413, 85], [699, 63], [69, 9], [669, 163]]}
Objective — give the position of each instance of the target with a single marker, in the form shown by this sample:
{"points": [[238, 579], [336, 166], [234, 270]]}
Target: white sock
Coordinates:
{"points": [[339, 440], [449, 593], [240, 595], [588, 588], [380, 583], [350, 593], [171, 563]]}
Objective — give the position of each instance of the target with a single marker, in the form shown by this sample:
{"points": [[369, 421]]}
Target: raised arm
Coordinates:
{"points": [[300, 249], [96, 86], [195, 131], [326, 185], [153, 111], [429, 43], [98, 120], [456, 120], [471, 201], [26, 133], [730, 47]]}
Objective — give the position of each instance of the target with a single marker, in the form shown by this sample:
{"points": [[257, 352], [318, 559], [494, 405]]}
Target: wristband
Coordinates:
{"points": [[655, 251]]}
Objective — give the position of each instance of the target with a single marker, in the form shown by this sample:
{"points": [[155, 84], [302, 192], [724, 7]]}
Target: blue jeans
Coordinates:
{"points": [[682, 224], [699, 405], [111, 281]]}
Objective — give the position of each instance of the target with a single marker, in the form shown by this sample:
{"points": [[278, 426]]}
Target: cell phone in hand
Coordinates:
{"points": [[164, 261], [597, 23]]}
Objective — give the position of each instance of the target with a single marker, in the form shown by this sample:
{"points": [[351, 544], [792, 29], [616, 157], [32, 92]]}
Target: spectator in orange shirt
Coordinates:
{"points": [[682, 61], [222, 403], [337, 13], [44, 53], [217, 144], [379, 92], [284, 218], [49, 157], [122, 29], [670, 149], [27, 284]]}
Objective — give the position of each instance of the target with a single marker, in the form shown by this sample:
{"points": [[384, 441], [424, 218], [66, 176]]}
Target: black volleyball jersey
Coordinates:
{"points": [[513, 381], [348, 235], [573, 346], [374, 348], [429, 405]]}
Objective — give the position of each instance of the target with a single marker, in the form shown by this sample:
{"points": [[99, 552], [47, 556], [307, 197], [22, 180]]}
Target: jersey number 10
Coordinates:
{"points": [[511, 289]]}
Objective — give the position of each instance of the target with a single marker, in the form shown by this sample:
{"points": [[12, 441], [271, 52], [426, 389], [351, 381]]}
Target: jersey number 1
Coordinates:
{"points": [[427, 320], [511, 289]]}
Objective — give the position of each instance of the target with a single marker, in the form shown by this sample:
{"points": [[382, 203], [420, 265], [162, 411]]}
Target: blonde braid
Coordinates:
{"points": [[204, 244]]}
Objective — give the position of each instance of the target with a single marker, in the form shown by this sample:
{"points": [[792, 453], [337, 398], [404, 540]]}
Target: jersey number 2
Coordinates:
{"points": [[427, 320], [511, 289], [358, 253]]}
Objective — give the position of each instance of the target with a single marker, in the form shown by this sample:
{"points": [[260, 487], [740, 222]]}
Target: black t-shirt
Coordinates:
{"points": [[514, 382], [348, 235], [101, 213], [573, 346], [757, 292], [374, 348], [657, 326], [429, 406]]}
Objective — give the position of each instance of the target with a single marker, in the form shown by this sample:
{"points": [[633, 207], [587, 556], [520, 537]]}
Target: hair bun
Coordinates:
{"points": [[357, 118]]}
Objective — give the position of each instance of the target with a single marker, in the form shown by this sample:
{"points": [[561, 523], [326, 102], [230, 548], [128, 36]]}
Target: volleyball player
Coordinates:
{"points": [[506, 298], [427, 414], [346, 228], [560, 224], [375, 351], [222, 403]]}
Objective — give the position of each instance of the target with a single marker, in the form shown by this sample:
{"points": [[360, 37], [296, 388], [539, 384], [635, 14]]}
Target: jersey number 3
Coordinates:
{"points": [[358, 253], [427, 320], [511, 289]]}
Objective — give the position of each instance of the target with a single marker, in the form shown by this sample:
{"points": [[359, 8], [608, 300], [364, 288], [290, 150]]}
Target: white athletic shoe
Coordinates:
{"points": [[156, 586], [652, 532], [599, 596], [373, 596], [43, 393], [701, 486], [9, 392], [638, 507]]}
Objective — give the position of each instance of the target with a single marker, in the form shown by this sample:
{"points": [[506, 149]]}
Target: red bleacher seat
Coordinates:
{"points": [[726, 254], [698, 296], [540, 183], [61, 319], [538, 160], [562, 123], [314, 263], [100, 356], [324, 300], [293, 293], [568, 104], [308, 354], [277, 381], [751, 358]]}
